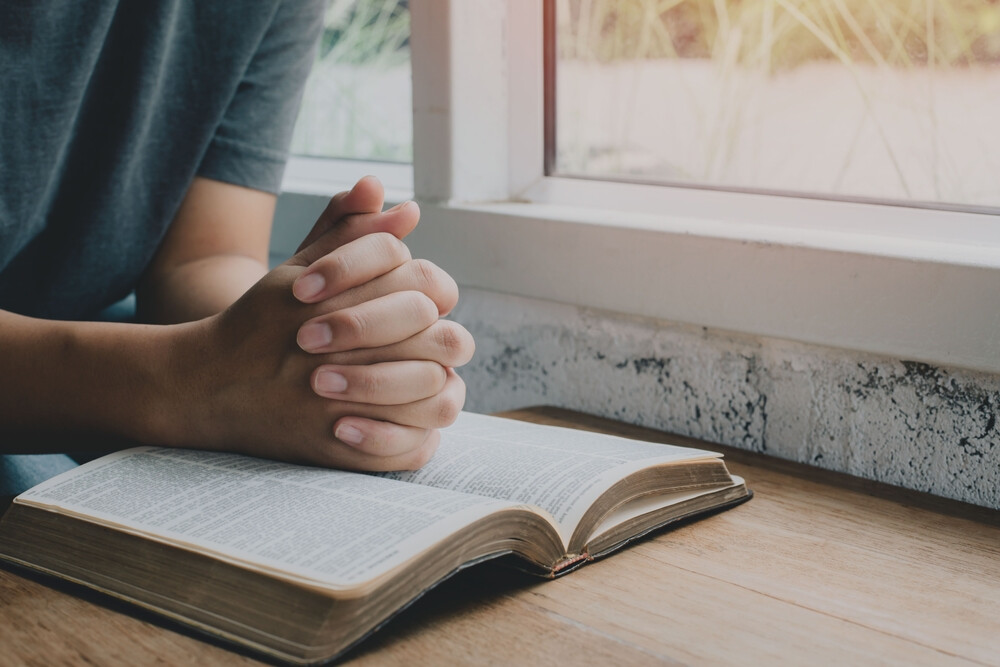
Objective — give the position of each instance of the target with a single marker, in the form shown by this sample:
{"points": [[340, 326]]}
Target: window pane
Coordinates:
{"points": [[888, 99], [358, 98]]}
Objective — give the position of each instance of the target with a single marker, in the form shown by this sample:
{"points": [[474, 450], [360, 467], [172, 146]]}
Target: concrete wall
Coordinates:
{"points": [[897, 421]]}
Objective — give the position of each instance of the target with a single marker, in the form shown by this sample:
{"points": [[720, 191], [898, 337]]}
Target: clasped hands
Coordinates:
{"points": [[341, 357]]}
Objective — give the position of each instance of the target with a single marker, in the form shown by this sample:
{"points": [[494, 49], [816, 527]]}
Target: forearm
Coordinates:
{"points": [[214, 251], [93, 381], [197, 289], [254, 378]]}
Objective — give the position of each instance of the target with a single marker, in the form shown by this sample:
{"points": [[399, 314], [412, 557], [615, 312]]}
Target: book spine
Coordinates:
{"points": [[570, 562]]}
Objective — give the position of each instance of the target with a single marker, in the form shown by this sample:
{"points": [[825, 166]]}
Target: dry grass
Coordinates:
{"points": [[776, 34]]}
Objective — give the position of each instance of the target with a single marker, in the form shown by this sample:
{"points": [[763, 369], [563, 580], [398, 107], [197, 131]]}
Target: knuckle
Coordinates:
{"points": [[448, 408], [421, 456], [449, 295], [377, 442], [439, 375], [390, 247], [454, 341], [351, 326], [423, 308], [337, 266], [436, 283], [373, 385], [447, 338], [428, 275]]}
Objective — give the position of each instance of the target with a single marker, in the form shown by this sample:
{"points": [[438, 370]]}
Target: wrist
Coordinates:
{"points": [[135, 395], [175, 406]]}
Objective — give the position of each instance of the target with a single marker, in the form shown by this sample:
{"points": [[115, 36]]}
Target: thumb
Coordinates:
{"points": [[399, 221], [351, 215], [367, 196]]}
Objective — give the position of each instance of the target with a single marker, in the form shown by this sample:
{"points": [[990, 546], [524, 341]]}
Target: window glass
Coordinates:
{"points": [[357, 102], [884, 99]]}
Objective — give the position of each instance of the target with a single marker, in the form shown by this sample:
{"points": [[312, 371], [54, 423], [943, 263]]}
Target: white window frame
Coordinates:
{"points": [[905, 282], [316, 176]]}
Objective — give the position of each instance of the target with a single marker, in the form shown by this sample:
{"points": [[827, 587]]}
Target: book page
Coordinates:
{"points": [[561, 470], [640, 506], [325, 526]]}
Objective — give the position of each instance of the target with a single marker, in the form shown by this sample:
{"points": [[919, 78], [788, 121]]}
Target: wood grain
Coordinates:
{"points": [[817, 568]]}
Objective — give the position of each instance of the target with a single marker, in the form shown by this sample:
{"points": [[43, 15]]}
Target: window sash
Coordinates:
{"points": [[905, 282]]}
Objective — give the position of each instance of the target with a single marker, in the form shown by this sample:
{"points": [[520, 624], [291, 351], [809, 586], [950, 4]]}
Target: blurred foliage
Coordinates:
{"points": [[781, 34], [357, 100], [366, 32]]}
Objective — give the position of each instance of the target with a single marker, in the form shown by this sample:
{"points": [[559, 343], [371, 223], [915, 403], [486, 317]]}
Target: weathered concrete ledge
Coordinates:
{"points": [[896, 421]]}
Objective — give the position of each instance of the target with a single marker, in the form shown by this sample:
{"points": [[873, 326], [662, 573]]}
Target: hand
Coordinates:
{"points": [[351, 215], [348, 217], [358, 374], [378, 378]]}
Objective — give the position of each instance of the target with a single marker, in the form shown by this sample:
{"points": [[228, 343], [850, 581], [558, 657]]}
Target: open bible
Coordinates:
{"points": [[301, 563]]}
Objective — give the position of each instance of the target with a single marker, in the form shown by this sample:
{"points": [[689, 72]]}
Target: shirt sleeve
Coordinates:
{"points": [[250, 145]]}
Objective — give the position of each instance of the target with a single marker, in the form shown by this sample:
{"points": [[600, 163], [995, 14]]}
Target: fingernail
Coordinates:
{"points": [[314, 336], [398, 207], [349, 434], [330, 382], [308, 286]]}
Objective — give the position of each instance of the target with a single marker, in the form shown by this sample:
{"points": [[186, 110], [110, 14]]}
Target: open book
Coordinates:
{"points": [[301, 563]]}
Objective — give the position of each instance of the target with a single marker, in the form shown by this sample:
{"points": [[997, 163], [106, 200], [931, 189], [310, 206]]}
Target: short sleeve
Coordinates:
{"points": [[250, 145]]}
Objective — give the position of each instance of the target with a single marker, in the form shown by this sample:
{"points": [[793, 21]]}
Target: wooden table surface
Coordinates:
{"points": [[818, 568]]}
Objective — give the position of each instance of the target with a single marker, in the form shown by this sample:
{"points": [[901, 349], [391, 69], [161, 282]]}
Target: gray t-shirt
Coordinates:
{"points": [[108, 109]]}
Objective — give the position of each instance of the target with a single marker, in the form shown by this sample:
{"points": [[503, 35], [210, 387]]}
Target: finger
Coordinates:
{"points": [[445, 342], [416, 274], [390, 383], [438, 411], [367, 196], [349, 266], [376, 445], [383, 321], [398, 221]]}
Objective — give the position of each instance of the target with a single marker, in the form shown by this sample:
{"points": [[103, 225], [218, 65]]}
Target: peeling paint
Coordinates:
{"points": [[897, 421]]}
